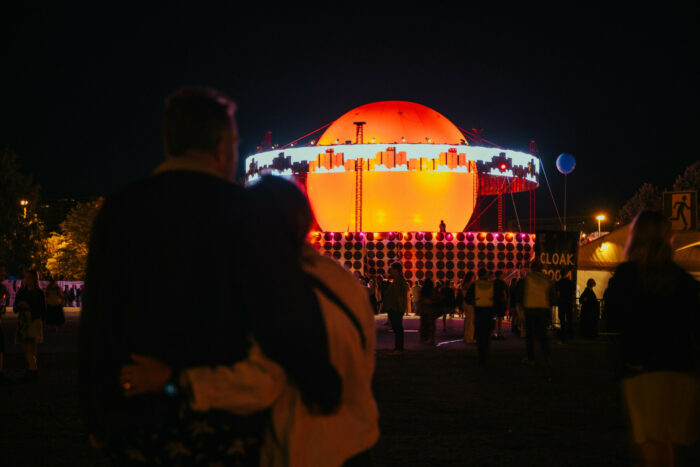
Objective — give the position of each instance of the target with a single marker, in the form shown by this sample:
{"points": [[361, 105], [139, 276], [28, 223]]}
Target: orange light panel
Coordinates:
{"points": [[392, 201]]}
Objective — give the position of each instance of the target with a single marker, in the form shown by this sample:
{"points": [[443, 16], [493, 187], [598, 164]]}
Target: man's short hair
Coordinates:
{"points": [[482, 272], [536, 265], [194, 119], [396, 266], [498, 274]]}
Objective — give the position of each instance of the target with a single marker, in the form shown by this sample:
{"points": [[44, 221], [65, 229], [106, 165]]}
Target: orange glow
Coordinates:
{"points": [[392, 201], [393, 122], [482, 235]]}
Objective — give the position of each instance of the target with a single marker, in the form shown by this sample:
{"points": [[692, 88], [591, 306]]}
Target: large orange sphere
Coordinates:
{"points": [[393, 122]]}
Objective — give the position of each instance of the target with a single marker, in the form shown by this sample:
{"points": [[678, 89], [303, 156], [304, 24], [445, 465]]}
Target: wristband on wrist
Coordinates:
{"points": [[172, 387]]}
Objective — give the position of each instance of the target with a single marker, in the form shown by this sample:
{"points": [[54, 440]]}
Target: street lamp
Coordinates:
{"points": [[600, 218], [24, 203]]}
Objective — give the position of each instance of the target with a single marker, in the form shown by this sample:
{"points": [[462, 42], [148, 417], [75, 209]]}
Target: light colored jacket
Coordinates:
{"points": [[300, 438]]}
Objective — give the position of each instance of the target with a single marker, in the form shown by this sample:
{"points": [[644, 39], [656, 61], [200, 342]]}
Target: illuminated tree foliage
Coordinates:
{"points": [[21, 236], [689, 180], [67, 250], [648, 197]]}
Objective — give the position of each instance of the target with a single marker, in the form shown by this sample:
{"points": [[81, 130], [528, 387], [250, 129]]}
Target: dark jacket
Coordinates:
{"points": [[35, 299], [659, 315], [148, 241]]}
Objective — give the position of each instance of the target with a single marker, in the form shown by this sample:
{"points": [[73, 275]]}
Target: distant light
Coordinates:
{"points": [[502, 166], [600, 217], [403, 139]]}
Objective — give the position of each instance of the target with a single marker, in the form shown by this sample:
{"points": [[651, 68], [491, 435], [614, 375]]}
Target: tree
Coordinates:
{"points": [[67, 251], [690, 180], [647, 197], [21, 232]]}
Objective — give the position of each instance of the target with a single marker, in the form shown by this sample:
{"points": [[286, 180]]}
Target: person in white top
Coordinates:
{"points": [[299, 435]]}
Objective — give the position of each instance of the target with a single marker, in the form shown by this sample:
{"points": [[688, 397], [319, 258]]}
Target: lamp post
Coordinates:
{"points": [[24, 203], [600, 218]]}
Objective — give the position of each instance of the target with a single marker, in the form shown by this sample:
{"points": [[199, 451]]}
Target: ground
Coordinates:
{"points": [[437, 406]]}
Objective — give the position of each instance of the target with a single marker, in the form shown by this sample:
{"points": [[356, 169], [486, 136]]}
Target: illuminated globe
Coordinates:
{"points": [[566, 163], [396, 166]]}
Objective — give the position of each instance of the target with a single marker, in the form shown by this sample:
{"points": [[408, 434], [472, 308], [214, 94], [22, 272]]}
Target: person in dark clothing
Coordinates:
{"points": [[30, 306], [566, 301], [447, 302], [535, 297], [481, 296], [513, 306], [4, 300], [187, 218], [428, 304], [650, 295], [590, 311], [395, 299], [500, 303]]}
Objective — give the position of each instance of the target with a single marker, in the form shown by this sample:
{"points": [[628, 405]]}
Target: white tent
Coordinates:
{"points": [[598, 259]]}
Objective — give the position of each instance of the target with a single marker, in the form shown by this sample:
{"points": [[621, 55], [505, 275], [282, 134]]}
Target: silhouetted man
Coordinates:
{"points": [[394, 302], [187, 218]]}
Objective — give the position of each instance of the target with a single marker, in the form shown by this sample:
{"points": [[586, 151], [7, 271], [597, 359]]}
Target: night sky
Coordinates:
{"points": [[83, 88]]}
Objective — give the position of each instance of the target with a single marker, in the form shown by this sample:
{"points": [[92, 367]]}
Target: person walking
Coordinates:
{"points": [[651, 294], [428, 310], [30, 306], [54, 304], [468, 309], [590, 311], [394, 303], [447, 302], [515, 324], [481, 295], [500, 304], [536, 301]]}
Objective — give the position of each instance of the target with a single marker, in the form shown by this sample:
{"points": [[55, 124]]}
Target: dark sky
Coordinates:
{"points": [[82, 87]]}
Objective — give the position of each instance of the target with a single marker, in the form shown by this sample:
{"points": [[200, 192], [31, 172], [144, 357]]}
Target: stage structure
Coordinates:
{"points": [[382, 178]]}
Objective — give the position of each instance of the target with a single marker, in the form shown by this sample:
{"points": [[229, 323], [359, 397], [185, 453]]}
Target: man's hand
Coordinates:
{"points": [[145, 375]]}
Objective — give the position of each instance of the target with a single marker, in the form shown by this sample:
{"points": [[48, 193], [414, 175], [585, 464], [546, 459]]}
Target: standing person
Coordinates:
{"points": [[71, 296], [299, 434], [66, 296], [566, 301], [54, 304], [468, 309], [427, 308], [537, 297], [4, 299], [188, 216], [520, 311], [30, 305], [78, 296], [515, 324], [372, 291], [447, 302], [590, 311], [481, 295], [415, 296], [395, 305], [500, 303], [651, 294]]}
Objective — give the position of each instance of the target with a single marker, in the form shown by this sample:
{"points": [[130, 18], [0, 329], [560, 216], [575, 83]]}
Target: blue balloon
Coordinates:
{"points": [[566, 163]]}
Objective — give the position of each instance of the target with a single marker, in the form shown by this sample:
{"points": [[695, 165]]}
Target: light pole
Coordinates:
{"points": [[600, 218], [24, 203]]}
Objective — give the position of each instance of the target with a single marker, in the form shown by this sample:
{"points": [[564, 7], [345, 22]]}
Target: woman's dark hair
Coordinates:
{"points": [[286, 318], [650, 239]]}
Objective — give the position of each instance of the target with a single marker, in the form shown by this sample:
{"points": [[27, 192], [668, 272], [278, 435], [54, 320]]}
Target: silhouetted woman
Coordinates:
{"points": [[30, 305], [590, 311], [651, 295]]}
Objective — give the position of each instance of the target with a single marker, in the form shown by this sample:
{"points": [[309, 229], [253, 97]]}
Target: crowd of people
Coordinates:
{"points": [[282, 375]]}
